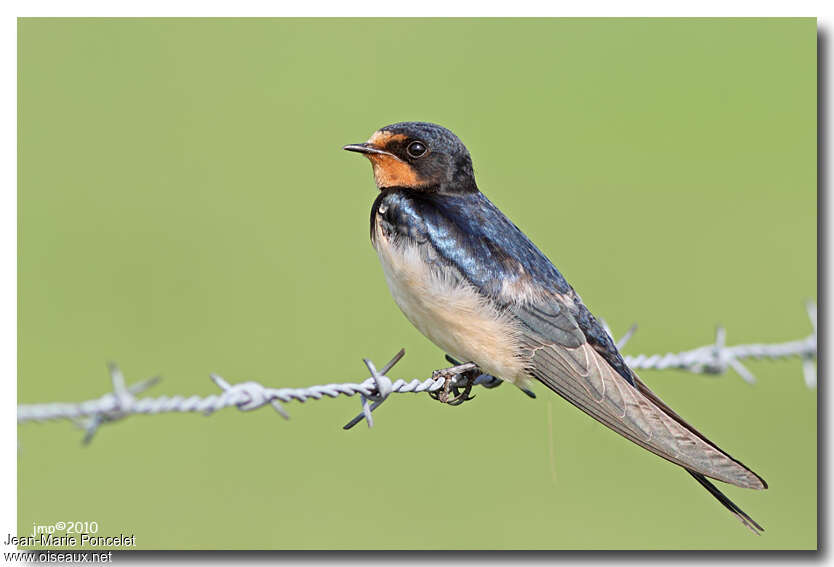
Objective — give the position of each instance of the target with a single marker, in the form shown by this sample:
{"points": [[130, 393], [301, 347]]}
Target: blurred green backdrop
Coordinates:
{"points": [[185, 208]]}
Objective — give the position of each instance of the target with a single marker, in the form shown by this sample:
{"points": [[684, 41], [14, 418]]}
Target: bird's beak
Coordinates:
{"points": [[366, 148]]}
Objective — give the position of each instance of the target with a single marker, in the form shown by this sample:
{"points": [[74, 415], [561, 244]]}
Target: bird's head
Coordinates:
{"points": [[418, 155]]}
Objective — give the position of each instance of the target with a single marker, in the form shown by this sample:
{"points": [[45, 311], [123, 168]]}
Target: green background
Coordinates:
{"points": [[185, 208]]}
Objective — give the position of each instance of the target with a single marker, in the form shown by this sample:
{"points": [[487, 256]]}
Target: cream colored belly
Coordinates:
{"points": [[453, 315]]}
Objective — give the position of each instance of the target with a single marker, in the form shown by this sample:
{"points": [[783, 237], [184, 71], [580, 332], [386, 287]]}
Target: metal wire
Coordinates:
{"points": [[715, 358]]}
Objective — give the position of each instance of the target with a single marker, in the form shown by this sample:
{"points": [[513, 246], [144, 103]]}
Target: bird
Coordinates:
{"points": [[477, 287]]}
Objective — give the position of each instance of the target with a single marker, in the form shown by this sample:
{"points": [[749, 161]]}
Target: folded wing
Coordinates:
{"points": [[560, 357]]}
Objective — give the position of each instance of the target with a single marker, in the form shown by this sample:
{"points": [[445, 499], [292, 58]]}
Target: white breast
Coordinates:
{"points": [[451, 313]]}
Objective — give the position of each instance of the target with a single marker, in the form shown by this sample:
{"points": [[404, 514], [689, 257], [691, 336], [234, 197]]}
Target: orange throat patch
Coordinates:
{"points": [[391, 172], [388, 170]]}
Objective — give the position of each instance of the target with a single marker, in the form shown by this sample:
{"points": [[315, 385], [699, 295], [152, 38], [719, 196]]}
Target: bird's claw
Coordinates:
{"points": [[461, 397], [450, 393]]}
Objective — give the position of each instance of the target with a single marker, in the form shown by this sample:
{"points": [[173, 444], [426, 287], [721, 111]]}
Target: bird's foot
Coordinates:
{"points": [[451, 393]]}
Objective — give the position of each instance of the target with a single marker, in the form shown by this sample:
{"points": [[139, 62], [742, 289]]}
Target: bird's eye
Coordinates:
{"points": [[416, 149]]}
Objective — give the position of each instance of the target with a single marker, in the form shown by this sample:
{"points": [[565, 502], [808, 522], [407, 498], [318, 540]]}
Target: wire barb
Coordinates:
{"points": [[122, 401], [717, 358]]}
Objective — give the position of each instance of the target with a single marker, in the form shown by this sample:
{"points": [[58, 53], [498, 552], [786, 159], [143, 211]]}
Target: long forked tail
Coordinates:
{"points": [[729, 504]]}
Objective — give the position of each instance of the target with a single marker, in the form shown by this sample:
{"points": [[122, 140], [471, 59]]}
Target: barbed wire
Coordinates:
{"points": [[712, 359]]}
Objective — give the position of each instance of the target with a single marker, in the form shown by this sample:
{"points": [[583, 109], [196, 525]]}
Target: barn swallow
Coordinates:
{"points": [[479, 289]]}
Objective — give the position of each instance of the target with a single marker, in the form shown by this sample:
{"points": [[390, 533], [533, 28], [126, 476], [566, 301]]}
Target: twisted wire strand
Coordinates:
{"points": [[716, 358]]}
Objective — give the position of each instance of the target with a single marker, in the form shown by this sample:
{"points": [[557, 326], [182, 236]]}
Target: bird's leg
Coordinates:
{"points": [[469, 371]]}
